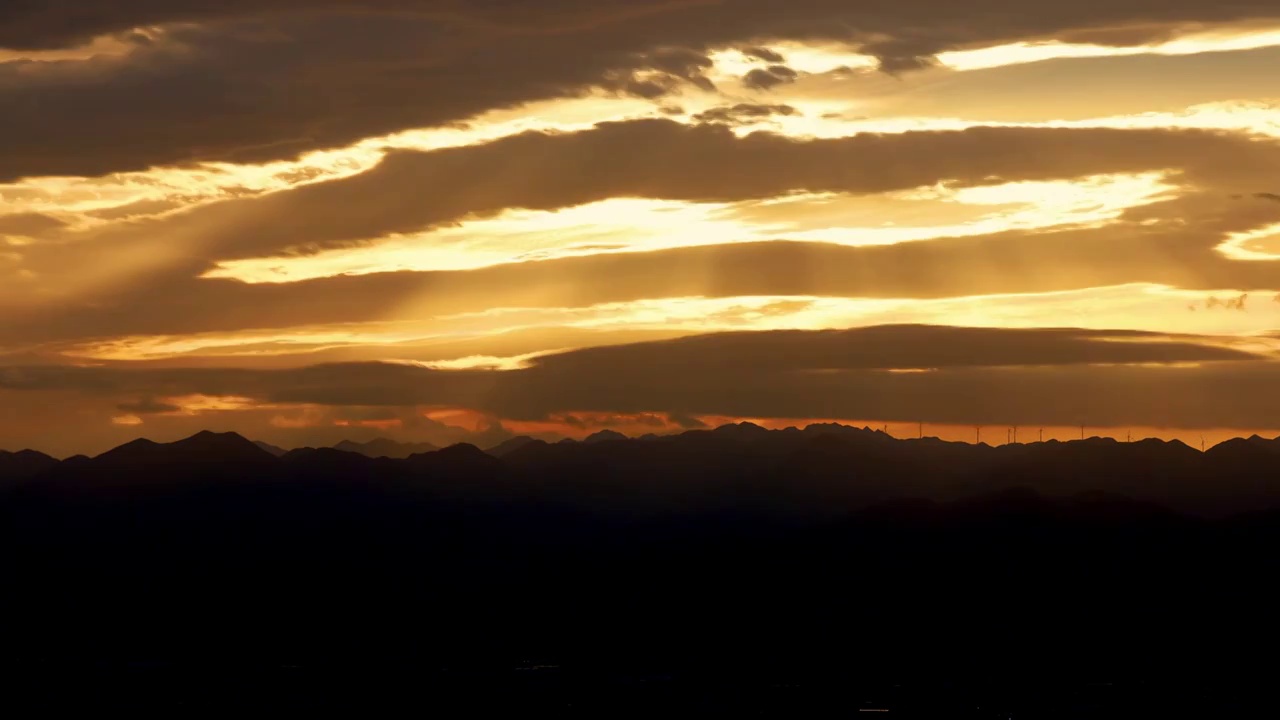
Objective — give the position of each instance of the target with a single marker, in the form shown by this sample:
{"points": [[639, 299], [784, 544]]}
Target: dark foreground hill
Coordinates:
{"points": [[740, 552]]}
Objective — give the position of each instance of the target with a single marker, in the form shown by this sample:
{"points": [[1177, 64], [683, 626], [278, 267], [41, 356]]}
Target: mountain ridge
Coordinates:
{"points": [[762, 544], [204, 447], [839, 467], [385, 447]]}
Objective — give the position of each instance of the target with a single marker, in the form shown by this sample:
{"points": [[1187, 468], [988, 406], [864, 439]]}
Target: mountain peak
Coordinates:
{"points": [[208, 437], [203, 447], [461, 450], [1244, 447], [605, 436], [742, 429], [24, 463], [206, 441], [460, 458]]}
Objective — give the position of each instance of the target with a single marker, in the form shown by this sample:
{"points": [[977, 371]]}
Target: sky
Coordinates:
{"points": [[465, 220]]}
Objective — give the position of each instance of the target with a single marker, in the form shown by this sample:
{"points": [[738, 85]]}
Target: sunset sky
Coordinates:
{"points": [[462, 220]]}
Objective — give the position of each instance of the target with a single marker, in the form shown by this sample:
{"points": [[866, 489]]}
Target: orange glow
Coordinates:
{"points": [[383, 425], [195, 256], [580, 424], [638, 225]]}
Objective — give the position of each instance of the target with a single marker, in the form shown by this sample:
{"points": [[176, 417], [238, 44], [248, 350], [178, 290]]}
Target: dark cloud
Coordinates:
{"points": [[928, 25], [653, 75], [898, 64], [350, 384], [1219, 396], [649, 88], [1267, 196], [63, 23], [765, 54], [974, 376], [147, 406], [743, 113], [216, 90], [770, 77], [683, 63], [687, 422], [210, 86], [886, 347], [571, 420]]}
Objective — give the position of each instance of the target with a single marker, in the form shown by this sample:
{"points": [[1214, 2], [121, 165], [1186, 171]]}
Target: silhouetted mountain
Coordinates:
{"points": [[457, 462], [512, 458], [308, 465], [741, 549], [605, 436], [828, 468], [277, 451], [24, 464], [203, 447], [384, 447], [743, 430], [506, 447], [1243, 449]]}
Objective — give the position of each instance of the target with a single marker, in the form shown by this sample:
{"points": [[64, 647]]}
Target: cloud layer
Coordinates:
{"points": [[304, 219], [209, 72], [899, 373]]}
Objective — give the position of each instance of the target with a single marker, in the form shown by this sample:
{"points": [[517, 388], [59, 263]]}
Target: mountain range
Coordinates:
{"points": [[822, 468], [739, 548]]}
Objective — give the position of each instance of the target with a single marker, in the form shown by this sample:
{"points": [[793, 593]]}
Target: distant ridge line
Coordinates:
{"points": [[386, 447]]}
